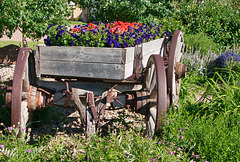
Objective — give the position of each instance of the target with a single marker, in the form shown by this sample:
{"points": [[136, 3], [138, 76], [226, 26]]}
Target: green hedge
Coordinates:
{"points": [[220, 20]]}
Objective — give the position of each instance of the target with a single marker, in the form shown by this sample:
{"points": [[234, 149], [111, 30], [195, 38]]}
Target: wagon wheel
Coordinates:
{"points": [[22, 80], [156, 86], [176, 70]]}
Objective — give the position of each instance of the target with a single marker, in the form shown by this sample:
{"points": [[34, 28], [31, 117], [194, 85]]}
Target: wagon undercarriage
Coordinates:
{"points": [[147, 84]]}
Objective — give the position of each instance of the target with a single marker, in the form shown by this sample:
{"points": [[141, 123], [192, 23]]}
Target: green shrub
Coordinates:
{"points": [[127, 10], [219, 20], [202, 42]]}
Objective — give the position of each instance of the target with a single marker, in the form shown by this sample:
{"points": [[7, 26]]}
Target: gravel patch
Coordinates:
{"points": [[6, 72]]}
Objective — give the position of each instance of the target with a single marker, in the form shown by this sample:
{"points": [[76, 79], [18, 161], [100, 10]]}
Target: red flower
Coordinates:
{"points": [[75, 30]]}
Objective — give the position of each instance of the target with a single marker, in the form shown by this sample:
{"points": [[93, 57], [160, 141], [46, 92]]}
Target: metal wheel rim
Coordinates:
{"points": [[20, 114], [175, 55], [156, 76]]}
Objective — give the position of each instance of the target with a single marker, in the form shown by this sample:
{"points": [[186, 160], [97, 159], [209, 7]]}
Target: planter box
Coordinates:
{"points": [[92, 62]]}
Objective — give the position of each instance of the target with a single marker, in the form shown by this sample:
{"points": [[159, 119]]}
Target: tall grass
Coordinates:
{"points": [[208, 129], [205, 129]]}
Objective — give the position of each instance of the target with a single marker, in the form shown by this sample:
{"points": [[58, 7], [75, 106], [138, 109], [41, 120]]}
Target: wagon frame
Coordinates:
{"points": [[145, 79]]}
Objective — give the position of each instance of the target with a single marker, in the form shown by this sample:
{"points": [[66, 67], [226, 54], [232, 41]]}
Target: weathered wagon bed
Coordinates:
{"points": [[93, 62]]}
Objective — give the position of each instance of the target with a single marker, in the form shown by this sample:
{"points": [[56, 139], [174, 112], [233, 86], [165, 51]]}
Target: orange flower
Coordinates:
{"points": [[75, 30]]}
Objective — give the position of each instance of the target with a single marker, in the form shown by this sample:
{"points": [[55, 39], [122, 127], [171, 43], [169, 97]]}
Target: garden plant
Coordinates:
{"points": [[204, 126]]}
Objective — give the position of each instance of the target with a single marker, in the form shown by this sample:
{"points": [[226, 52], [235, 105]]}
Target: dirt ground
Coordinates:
{"points": [[8, 54]]}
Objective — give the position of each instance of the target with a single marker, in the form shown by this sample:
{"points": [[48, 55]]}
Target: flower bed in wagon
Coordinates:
{"points": [[99, 50], [117, 34]]}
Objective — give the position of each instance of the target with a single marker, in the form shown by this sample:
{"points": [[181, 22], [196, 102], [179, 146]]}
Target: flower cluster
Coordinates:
{"points": [[225, 58], [116, 35]]}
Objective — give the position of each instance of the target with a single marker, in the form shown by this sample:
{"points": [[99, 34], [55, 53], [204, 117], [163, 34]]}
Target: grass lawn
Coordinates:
{"points": [[19, 43]]}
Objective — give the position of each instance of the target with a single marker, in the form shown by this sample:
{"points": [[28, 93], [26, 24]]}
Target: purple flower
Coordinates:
{"points": [[159, 143], [2, 146], [72, 43], [47, 41], [9, 128], [127, 154], [29, 151], [180, 129], [171, 152], [154, 159], [22, 128], [197, 156], [49, 26], [84, 30]]}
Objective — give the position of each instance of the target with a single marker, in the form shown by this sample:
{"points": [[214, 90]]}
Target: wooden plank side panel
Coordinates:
{"points": [[128, 69], [81, 54], [152, 47], [81, 69], [146, 57]]}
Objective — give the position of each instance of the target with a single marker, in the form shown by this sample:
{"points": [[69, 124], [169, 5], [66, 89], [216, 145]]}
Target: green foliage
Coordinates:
{"points": [[212, 139], [200, 41], [31, 17], [219, 20], [127, 10], [209, 127]]}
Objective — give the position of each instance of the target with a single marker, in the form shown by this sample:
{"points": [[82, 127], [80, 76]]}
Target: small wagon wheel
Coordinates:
{"points": [[156, 86], [176, 70], [22, 80]]}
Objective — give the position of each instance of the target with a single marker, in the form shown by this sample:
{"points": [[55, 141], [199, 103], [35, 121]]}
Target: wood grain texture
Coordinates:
{"points": [[92, 62]]}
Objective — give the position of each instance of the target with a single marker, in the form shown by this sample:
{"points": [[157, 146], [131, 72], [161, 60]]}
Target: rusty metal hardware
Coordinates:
{"points": [[138, 67], [181, 70], [138, 101]]}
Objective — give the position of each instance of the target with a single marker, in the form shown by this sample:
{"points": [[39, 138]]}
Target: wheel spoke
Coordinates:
{"points": [[153, 85], [151, 126], [150, 75], [153, 113]]}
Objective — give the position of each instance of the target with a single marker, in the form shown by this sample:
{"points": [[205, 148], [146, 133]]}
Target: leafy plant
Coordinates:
{"points": [[200, 42], [218, 20], [31, 17], [127, 10]]}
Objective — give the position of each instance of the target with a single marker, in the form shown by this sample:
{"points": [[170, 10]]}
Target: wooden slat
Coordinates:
{"points": [[153, 46], [92, 62], [82, 69], [87, 54]]}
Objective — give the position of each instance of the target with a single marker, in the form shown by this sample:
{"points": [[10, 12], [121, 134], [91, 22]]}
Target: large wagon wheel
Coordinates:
{"points": [[156, 86], [21, 90], [176, 70]]}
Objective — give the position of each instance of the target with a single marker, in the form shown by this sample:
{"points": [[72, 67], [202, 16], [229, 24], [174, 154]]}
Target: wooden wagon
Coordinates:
{"points": [[145, 79]]}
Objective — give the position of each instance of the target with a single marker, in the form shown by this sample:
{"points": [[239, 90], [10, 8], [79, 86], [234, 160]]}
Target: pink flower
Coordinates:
{"points": [[9, 129], [153, 159], [197, 156], [22, 128], [171, 152], [29, 151], [179, 149], [2, 146], [182, 137]]}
